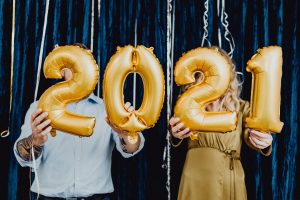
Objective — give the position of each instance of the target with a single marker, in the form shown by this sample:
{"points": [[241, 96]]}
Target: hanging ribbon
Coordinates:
{"points": [[170, 58], [36, 91], [98, 58], [92, 27], [134, 74], [41, 51], [6, 132], [227, 34], [205, 24]]}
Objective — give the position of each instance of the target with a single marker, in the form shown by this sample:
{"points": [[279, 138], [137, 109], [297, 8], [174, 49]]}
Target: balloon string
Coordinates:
{"points": [[6, 132], [205, 22], [170, 58], [35, 172], [219, 30], [134, 73], [37, 86], [92, 26], [99, 57], [41, 51], [227, 35]]}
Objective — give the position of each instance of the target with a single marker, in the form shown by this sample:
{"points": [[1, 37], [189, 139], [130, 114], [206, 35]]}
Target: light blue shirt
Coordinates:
{"points": [[70, 166]]}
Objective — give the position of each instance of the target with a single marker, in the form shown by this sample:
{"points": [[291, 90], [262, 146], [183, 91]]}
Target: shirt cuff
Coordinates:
{"points": [[120, 149]]}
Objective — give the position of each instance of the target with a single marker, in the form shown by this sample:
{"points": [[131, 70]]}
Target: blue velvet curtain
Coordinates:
{"points": [[253, 24]]}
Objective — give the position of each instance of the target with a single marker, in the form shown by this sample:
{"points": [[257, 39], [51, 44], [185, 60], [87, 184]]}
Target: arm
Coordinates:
{"points": [[33, 135], [123, 145]]}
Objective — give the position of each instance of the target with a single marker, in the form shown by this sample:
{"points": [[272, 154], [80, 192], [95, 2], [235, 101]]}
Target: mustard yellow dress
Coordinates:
{"points": [[212, 170]]}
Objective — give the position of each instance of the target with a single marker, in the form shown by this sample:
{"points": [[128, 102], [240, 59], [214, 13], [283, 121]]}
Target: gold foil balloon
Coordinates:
{"points": [[55, 99], [127, 60], [266, 69], [190, 107]]}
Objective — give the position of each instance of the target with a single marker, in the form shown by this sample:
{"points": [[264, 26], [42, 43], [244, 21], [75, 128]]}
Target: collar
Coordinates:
{"points": [[94, 99]]}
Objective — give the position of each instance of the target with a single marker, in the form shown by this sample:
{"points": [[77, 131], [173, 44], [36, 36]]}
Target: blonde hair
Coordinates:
{"points": [[230, 101]]}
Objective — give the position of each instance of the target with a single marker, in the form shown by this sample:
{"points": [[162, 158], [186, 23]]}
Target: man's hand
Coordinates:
{"points": [[178, 130], [40, 127], [129, 147], [130, 109], [260, 140]]}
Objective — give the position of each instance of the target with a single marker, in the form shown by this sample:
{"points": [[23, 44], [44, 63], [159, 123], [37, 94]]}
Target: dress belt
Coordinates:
{"points": [[231, 153]]}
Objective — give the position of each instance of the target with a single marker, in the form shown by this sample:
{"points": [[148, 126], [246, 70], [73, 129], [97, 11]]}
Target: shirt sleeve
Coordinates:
{"points": [[119, 145], [264, 152], [25, 132]]}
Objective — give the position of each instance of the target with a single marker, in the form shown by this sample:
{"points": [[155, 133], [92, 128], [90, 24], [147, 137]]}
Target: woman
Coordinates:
{"points": [[212, 168]]}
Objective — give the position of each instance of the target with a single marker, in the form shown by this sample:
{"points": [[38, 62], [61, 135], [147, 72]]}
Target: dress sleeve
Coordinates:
{"points": [[246, 109]]}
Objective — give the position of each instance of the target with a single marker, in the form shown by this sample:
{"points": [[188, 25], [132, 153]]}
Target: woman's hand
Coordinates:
{"points": [[178, 130], [260, 140]]}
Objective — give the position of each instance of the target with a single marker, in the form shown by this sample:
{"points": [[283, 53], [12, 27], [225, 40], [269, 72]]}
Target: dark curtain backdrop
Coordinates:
{"points": [[253, 24]]}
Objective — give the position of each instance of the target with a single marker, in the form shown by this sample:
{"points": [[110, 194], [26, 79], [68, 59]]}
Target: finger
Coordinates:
{"points": [[35, 114], [251, 141], [259, 142], [39, 118], [130, 109], [267, 137], [43, 125], [46, 131], [174, 120], [127, 105], [256, 145], [177, 127], [182, 133], [260, 134], [187, 135]]}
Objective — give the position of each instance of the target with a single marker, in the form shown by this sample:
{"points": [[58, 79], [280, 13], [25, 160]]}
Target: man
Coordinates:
{"points": [[71, 167]]}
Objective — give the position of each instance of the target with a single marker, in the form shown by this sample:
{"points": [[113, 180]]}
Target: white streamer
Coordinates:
{"points": [[36, 90], [134, 73], [219, 30], [41, 51], [170, 56], [92, 26], [205, 21], [99, 57], [35, 172], [6, 132], [227, 35]]}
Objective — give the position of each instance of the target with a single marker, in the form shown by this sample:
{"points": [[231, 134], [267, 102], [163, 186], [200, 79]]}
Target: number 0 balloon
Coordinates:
{"points": [[142, 61], [55, 99]]}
